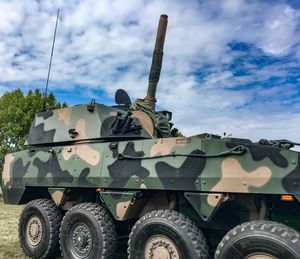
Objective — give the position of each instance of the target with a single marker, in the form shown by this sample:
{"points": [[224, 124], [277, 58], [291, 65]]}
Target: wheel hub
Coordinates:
{"points": [[34, 231], [160, 247], [81, 240]]}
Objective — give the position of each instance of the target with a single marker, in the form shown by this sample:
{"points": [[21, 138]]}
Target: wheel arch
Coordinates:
{"points": [[129, 204]]}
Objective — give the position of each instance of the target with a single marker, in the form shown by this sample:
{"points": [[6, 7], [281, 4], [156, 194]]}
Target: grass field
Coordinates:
{"points": [[9, 240]]}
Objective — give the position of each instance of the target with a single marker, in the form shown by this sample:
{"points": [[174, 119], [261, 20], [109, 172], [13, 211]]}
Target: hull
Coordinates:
{"points": [[200, 163]]}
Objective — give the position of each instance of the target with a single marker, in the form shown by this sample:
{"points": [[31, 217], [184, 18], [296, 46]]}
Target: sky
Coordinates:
{"points": [[229, 66]]}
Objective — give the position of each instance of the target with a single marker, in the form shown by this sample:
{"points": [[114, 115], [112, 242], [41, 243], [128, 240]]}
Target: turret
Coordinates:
{"points": [[157, 60], [99, 122]]}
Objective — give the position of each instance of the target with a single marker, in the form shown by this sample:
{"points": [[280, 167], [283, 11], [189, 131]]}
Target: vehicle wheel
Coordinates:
{"points": [[259, 240], [39, 229], [166, 234], [87, 231]]}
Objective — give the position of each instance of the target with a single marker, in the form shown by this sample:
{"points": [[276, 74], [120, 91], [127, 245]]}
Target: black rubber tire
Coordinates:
{"points": [[267, 237], [101, 230], [186, 236], [50, 217]]}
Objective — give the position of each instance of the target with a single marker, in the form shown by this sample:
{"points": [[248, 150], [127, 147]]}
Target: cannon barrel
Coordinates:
{"points": [[157, 59]]}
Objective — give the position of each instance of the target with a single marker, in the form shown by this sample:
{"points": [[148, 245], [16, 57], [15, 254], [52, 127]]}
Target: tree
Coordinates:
{"points": [[16, 114]]}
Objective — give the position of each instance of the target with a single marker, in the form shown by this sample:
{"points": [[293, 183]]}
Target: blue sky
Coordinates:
{"points": [[229, 66]]}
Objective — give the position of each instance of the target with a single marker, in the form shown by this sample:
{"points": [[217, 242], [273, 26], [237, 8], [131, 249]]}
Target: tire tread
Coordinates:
{"points": [[105, 223], [195, 235], [54, 215], [269, 226]]}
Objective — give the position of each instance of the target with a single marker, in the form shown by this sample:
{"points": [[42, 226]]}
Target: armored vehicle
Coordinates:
{"points": [[93, 174]]}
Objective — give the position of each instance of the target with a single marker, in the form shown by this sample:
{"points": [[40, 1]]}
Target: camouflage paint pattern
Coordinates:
{"points": [[53, 126], [119, 203], [57, 195], [205, 204], [202, 164]]}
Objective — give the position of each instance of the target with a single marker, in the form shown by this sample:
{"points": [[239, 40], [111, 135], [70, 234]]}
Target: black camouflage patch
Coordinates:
{"points": [[259, 152], [123, 169], [184, 177], [52, 166], [291, 182], [18, 172], [45, 115], [37, 135], [82, 179]]}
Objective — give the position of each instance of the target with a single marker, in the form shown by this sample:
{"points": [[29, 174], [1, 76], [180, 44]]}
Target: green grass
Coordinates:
{"points": [[9, 238]]}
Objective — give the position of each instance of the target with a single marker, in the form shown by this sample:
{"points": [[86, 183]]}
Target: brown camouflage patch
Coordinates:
{"points": [[64, 115], [236, 179], [57, 196], [80, 128], [145, 120], [6, 169], [112, 114], [89, 155], [164, 146], [122, 207], [143, 186], [214, 199], [68, 152], [84, 151]]}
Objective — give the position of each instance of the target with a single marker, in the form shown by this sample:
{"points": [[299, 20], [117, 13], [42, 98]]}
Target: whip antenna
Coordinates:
{"points": [[49, 68]]}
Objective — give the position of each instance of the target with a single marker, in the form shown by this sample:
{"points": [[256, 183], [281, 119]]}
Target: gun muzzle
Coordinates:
{"points": [[157, 59]]}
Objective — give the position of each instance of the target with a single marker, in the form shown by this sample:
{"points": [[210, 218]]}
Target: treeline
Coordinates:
{"points": [[17, 111]]}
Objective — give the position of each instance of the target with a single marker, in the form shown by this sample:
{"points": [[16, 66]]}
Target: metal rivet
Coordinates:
{"points": [[204, 182]]}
